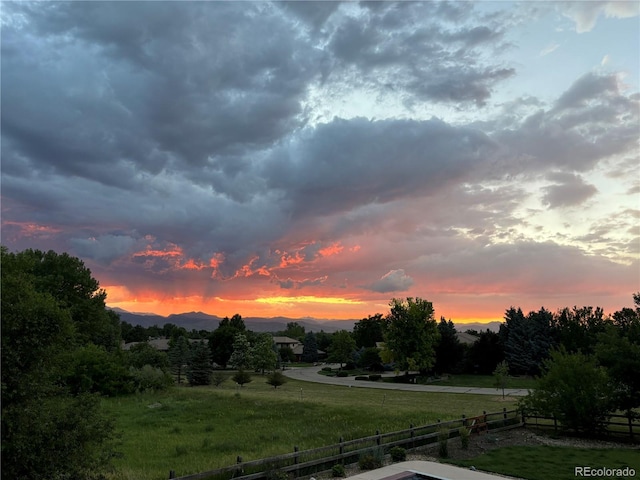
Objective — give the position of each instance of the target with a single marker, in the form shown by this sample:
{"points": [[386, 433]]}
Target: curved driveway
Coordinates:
{"points": [[310, 374]]}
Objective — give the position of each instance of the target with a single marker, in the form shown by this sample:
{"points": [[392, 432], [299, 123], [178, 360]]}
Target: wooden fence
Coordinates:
{"points": [[345, 452], [619, 426]]}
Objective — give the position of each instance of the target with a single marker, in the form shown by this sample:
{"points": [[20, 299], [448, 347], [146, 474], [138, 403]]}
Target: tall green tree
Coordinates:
{"points": [[294, 330], [263, 353], [411, 333], [241, 358], [484, 355], [199, 369], [449, 351], [369, 331], [47, 432], [342, 347], [179, 355], [309, 348], [222, 338]]}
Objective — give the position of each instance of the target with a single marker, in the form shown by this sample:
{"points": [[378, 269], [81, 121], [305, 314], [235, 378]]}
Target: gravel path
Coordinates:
{"points": [[310, 374]]}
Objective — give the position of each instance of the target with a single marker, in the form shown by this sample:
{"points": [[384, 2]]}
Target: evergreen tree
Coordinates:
{"points": [[449, 350], [179, 355], [309, 348], [199, 369]]}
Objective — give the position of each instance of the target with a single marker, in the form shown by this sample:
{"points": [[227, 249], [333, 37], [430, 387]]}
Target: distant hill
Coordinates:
{"points": [[480, 327], [204, 321]]}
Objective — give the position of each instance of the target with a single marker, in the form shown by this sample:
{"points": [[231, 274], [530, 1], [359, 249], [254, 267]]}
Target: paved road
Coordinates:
{"points": [[310, 374]]}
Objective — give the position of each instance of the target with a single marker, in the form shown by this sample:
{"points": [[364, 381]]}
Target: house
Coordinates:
{"points": [[295, 346]]}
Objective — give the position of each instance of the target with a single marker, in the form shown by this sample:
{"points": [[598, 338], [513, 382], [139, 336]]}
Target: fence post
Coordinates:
{"points": [[378, 439], [172, 474], [629, 417], [555, 424], [295, 458], [238, 462], [341, 445], [412, 434], [464, 420]]}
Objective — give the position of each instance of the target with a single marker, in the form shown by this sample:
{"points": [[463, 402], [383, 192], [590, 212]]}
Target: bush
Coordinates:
{"points": [[443, 442], [150, 378], [375, 378], [574, 390], [464, 437], [326, 369], [360, 377], [370, 460], [349, 366], [276, 379], [398, 454], [338, 471], [342, 374]]}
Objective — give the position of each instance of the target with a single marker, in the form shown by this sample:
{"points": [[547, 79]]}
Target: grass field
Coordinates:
{"points": [[197, 429], [546, 462]]}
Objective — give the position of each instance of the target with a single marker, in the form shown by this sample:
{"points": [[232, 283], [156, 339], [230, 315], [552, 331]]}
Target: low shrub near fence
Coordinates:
{"points": [[307, 462]]}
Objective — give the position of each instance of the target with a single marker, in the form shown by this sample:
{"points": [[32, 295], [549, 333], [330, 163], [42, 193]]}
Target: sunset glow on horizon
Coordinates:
{"points": [[317, 159]]}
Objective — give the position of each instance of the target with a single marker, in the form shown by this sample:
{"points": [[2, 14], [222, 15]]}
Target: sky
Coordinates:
{"points": [[317, 159]]}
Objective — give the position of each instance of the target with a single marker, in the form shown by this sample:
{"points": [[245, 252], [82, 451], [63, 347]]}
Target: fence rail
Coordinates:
{"points": [[345, 452], [630, 426]]}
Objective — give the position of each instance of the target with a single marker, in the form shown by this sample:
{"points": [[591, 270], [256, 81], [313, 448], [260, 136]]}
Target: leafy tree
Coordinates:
{"points": [[150, 378], [144, 354], [179, 355], [199, 369], [342, 347], [369, 358], [369, 331], [222, 338], [241, 356], [310, 348], [70, 283], [46, 431], [621, 357], [294, 330], [263, 353], [411, 333], [449, 351], [93, 369], [286, 354], [501, 376], [323, 339], [574, 389]]}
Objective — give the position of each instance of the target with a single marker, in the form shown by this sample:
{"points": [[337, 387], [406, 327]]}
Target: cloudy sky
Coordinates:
{"points": [[320, 158]]}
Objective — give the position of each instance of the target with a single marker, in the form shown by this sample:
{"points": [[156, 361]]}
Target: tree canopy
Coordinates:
{"points": [[411, 333]]}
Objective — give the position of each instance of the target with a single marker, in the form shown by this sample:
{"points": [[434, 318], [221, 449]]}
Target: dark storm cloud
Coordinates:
{"points": [[176, 138], [348, 163], [189, 83]]}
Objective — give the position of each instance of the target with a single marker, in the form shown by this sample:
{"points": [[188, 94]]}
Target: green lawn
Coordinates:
{"points": [[545, 462], [191, 430]]}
